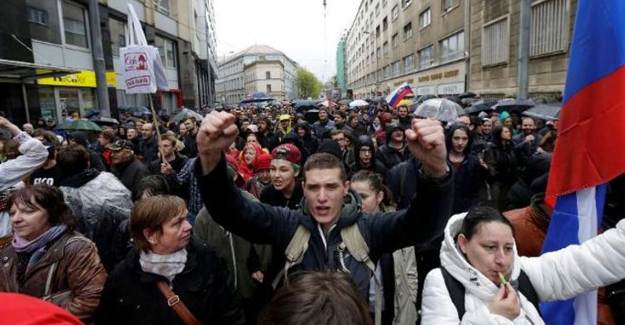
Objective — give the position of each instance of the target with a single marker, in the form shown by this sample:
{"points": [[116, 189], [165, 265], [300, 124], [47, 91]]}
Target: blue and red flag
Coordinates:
{"points": [[398, 94], [591, 141]]}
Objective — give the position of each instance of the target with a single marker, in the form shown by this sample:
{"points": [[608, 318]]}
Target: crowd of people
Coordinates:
{"points": [[272, 215]]}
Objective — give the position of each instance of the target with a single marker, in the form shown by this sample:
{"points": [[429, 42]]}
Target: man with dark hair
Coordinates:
{"points": [[171, 164], [394, 151], [126, 166], [99, 201], [190, 145], [323, 125], [329, 208], [148, 145]]}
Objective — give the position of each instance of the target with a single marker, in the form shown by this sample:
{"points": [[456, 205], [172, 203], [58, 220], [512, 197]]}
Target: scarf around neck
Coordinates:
{"points": [[22, 245], [167, 266]]}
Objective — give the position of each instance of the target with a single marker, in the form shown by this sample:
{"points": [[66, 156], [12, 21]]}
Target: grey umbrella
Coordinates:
{"points": [[548, 112]]}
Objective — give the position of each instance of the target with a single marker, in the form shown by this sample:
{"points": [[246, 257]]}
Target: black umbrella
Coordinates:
{"points": [[467, 95], [512, 104], [311, 116], [547, 112], [302, 105], [481, 106]]}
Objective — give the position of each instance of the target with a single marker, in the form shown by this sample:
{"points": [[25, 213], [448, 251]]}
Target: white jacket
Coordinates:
{"points": [[33, 155], [555, 276]]}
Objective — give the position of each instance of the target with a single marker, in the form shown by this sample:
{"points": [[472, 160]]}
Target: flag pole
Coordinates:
{"points": [[156, 126]]}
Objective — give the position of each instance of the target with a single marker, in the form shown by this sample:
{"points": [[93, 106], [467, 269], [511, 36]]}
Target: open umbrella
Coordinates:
{"points": [[311, 116], [345, 101], [359, 103], [184, 113], [79, 125], [481, 106], [106, 121], [439, 108], [548, 112], [304, 104], [513, 104]]}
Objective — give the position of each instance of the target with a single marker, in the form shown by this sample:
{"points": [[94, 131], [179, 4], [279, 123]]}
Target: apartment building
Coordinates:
{"points": [[46, 61], [494, 47], [258, 68], [416, 41]]}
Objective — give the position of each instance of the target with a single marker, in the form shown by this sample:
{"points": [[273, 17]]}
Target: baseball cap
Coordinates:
{"points": [[120, 145], [287, 151]]}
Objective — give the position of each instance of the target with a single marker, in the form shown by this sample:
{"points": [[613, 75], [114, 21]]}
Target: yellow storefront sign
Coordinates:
{"points": [[85, 78]]}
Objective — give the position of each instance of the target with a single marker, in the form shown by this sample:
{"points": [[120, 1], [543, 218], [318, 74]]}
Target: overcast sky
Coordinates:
{"points": [[295, 27]]}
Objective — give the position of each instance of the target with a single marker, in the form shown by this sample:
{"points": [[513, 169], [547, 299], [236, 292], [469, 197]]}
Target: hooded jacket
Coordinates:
{"points": [[555, 276], [374, 165], [390, 156], [384, 233]]}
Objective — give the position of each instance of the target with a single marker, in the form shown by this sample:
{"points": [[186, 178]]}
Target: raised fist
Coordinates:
{"points": [[216, 133], [426, 141]]}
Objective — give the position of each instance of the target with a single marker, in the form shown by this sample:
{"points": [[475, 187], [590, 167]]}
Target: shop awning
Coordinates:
{"points": [[28, 71]]}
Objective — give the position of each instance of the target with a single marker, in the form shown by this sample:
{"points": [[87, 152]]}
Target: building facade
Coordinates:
{"points": [[425, 43], [341, 83], [494, 47], [258, 68], [47, 62], [416, 41]]}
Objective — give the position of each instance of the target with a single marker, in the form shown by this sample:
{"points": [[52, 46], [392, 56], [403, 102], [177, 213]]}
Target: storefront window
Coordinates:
{"points": [[74, 22], [47, 103], [88, 100], [68, 100], [43, 20]]}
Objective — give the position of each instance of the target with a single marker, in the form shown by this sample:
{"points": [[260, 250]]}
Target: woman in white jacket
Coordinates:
{"points": [[479, 246]]}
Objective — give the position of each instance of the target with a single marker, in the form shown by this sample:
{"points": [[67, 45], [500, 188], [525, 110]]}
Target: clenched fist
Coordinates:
{"points": [[216, 133], [426, 141]]}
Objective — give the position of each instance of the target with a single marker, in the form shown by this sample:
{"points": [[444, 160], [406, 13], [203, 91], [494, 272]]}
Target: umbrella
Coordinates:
{"points": [[512, 104], [106, 121], [548, 112], [304, 104], [423, 98], [481, 106], [79, 125], [184, 113], [137, 111], [311, 116], [467, 95], [327, 103], [345, 101], [358, 103], [439, 108]]}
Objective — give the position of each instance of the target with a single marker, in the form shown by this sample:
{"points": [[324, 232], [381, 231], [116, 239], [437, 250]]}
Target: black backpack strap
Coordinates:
{"points": [[527, 289], [456, 291]]}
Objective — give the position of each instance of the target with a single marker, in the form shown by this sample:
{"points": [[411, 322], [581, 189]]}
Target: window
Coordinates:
{"points": [[37, 16], [162, 6], [166, 49], [75, 25], [384, 24], [396, 68], [395, 12], [549, 27], [385, 48], [268, 89], [405, 3], [43, 20], [448, 4], [425, 57], [452, 47], [395, 40], [377, 31], [425, 18], [377, 9], [409, 63], [495, 42], [267, 75], [118, 35], [407, 31], [384, 3], [377, 52]]}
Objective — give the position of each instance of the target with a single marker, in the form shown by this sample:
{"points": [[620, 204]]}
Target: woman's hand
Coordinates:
{"points": [[506, 302]]}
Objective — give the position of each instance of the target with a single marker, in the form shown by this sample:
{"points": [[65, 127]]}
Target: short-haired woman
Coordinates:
{"points": [[166, 262], [46, 258], [482, 280]]}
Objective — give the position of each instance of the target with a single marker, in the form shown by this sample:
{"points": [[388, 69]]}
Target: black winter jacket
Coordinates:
{"points": [[421, 223], [131, 295], [130, 173]]}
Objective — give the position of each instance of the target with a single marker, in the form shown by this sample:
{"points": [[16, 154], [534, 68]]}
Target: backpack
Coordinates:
{"points": [[456, 291], [352, 241]]}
